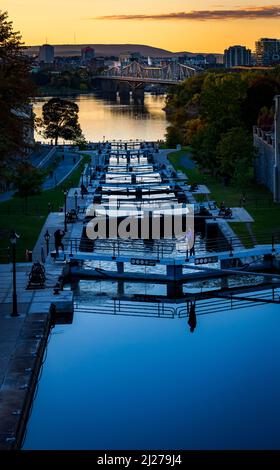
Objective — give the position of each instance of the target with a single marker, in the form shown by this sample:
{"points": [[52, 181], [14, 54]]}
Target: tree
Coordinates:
{"points": [[260, 93], [193, 126], [221, 99], [182, 101], [174, 136], [16, 88], [204, 144], [60, 119], [235, 153], [81, 143], [28, 181], [212, 108]]}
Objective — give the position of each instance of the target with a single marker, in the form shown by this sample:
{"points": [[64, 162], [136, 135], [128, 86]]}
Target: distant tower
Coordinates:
{"points": [[88, 53], [46, 54]]}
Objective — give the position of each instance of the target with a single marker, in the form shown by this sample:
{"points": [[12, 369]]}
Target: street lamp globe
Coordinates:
{"points": [[14, 237]]}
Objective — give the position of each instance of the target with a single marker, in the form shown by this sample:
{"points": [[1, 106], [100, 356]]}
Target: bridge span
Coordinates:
{"points": [[136, 74]]}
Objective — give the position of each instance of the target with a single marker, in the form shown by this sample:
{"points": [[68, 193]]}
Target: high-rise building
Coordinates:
{"points": [[236, 56], [268, 52], [88, 53], [211, 59], [46, 54]]}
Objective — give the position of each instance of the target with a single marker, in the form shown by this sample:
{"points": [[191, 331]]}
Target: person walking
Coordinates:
{"points": [[190, 239], [58, 236]]}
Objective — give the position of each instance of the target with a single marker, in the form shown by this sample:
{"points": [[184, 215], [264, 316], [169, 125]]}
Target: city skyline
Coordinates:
{"points": [[201, 26]]}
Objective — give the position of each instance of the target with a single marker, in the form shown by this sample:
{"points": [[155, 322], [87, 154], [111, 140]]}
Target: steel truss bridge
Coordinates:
{"points": [[136, 73]]}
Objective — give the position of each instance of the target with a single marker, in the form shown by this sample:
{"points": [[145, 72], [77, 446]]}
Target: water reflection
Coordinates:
{"points": [[113, 382], [123, 382], [192, 321], [109, 119]]}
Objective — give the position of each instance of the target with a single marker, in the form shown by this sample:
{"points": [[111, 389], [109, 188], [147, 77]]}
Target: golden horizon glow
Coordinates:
{"points": [[204, 27]]}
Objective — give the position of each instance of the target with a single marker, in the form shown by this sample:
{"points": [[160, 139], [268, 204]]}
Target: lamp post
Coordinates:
{"points": [[65, 209], [13, 240], [47, 239], [76, 200]]}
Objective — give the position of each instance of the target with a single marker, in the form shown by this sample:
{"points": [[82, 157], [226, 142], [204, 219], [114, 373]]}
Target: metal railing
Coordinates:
{"points": [[121, 247], [161, 309], [219, 305], [165, 247], [131, 309]]}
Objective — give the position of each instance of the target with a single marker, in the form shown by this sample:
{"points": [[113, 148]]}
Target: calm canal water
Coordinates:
{"points": [[110, 120], [115, 382]]}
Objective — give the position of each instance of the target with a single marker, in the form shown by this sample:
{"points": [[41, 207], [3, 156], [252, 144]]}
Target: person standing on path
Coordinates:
{"points": [[58, 235]]}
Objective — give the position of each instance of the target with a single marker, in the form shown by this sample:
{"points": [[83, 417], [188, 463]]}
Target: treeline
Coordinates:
{"points": [[214, 113], [65, 80], [59, 120]]}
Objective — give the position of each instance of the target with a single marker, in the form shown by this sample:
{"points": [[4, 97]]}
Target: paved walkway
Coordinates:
{"points": [[9, 326], [239, 214], [64, 169], [161, 157], [54, 222], [22, 344], [36, 158], [183, 160], [6, 196], [187, 162]]}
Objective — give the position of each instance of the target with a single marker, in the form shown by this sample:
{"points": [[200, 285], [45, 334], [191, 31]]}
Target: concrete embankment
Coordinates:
{"points": [[23, 341], [19, 385]]}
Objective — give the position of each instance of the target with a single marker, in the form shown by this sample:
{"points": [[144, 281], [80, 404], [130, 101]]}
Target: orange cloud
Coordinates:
{"points": [[248, 13]]}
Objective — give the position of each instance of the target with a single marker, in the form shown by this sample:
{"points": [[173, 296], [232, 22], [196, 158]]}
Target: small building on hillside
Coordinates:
{"points": [[25, 113], [267, 161]]}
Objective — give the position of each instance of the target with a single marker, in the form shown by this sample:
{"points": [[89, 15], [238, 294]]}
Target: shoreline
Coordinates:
{"points": [[18, 389], [23, 342]]}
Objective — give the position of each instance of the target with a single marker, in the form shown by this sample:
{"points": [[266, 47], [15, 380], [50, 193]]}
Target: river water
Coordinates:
{"points": [[130, 382], [108, 120]]}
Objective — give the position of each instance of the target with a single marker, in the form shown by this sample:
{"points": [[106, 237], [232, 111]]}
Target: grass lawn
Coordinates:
{"points": [[29, 225], [259, 202]]}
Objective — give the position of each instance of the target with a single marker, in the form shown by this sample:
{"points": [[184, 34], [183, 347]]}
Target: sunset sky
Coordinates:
{"points": [[176, 25]]}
